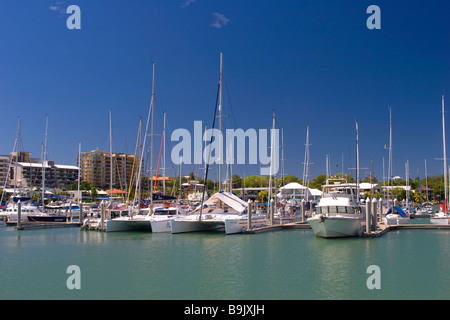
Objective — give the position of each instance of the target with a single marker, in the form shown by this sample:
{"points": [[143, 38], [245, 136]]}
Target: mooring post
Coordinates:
{"points": [[368, 217], [303, 210], [80, 214], [102, 215], [19, 215], [70, 211], [374, 214], [380, 211], [249, 210]]}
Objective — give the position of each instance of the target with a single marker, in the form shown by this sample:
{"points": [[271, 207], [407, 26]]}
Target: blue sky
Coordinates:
{"points": [[314, 62]]}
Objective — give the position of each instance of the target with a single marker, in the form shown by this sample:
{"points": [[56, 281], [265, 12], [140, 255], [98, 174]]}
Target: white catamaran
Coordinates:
{"points": [[223, 211]]}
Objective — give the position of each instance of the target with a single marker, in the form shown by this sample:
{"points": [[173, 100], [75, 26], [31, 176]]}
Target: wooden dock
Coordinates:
{"points": [[278, 227], [383, 229], [44, 225]]}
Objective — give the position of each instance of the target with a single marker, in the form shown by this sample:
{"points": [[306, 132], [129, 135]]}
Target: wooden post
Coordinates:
{"points": [[19, 215], [374, 214], [70, 211], [368, 217], [80, 214], [380, 211], [102, 214], [249, 210], [303, 210]]}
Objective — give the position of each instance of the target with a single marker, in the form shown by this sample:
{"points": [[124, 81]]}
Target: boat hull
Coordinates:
{"points": [[183, 226], [440, 220], [233, 226], [115, 225], [45, 218], [395, 221], [336, 227], [161, 226]]}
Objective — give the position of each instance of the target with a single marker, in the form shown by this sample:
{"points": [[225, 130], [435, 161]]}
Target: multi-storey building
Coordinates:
{"points": [[96, 168], [57, 176]]}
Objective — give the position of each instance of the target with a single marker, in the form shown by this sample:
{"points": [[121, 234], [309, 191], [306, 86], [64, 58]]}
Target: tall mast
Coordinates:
{"points": [[306, 166], [445, 154], [44, 158], [138, 182], [110, 157], [164, 154], [390, 164], [426, 179], [151, 140], [79, 173], [220, 120], [272, 146], [17, 155], [357, 164]]}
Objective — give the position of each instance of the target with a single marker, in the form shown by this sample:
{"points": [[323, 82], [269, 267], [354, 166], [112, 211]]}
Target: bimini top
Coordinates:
{"points": [[397, 210]]}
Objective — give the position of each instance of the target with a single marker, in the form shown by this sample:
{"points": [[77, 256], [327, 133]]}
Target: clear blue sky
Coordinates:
{"points": [[314, 62]]}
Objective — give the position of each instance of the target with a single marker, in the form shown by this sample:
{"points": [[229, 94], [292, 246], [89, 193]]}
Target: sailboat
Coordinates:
{"points": [[11, 212], [394, 215], [442, 217], [339, 212]]}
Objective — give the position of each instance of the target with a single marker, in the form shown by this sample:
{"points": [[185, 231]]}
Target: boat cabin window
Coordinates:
{"points": [[165, 212]]}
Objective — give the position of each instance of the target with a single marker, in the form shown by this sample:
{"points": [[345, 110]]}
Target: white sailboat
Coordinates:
{"points": [[442, 217], [339, 213], [223, 211]]}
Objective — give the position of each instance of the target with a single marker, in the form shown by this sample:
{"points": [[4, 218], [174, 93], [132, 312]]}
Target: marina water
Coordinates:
{"points": [[285, 265]]}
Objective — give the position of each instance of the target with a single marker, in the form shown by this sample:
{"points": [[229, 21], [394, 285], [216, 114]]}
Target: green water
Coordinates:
{"points": [[278, 265]]}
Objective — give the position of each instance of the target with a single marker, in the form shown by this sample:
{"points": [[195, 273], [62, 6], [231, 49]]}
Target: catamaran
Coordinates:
{"points": [[223, 211]]}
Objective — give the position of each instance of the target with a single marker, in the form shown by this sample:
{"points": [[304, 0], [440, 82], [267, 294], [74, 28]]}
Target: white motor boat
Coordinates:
{"points": [[26, 210], [337, 213], [223, 211]]}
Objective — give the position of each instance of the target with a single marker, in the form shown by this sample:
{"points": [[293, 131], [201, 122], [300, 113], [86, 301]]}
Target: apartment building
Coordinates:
{"points": [[96, 168]]}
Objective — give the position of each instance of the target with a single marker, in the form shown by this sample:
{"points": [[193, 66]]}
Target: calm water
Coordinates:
{"points": [[278, 265]]}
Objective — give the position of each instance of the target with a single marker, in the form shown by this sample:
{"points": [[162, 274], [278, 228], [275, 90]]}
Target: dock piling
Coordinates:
{"points": [[368, 215], [19, 215], [249, 220]]}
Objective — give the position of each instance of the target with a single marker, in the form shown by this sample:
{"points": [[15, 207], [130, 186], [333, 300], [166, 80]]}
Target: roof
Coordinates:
{"points": [[293, 185], [114, 191]]}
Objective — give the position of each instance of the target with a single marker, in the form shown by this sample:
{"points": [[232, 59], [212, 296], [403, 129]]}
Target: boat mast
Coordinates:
{"points": [[151, 141], [272, 146], [138, 182], [357, 164], [16, 146], [306, 167], [44, 159], [164, 154], [220, 120], [426, 179], [390, 156], [110, 158], [79, 173], [445, 154]]}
